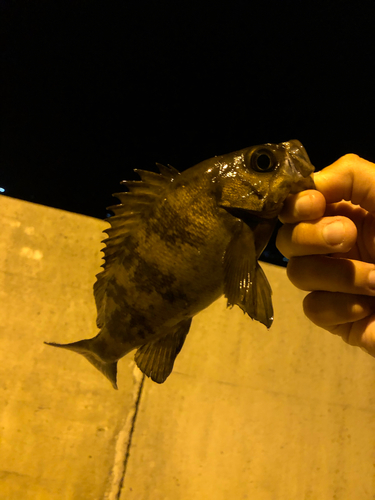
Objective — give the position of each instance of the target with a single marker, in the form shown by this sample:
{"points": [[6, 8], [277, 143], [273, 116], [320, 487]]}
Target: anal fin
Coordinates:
{"points": [[156, 359]]}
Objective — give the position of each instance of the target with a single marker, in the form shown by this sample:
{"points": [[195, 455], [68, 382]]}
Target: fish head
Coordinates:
{"points": [[259, 178]]}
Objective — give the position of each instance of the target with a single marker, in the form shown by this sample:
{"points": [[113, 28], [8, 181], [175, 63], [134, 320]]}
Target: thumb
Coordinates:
{"points": [[350, 178]]}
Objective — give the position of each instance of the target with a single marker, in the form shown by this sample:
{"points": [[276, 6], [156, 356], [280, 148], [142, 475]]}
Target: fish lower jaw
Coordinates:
{"points": [[267, 214], [253, 215]]}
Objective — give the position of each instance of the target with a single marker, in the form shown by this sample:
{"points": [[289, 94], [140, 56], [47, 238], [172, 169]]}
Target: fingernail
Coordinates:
{"points": [[334, 233]]}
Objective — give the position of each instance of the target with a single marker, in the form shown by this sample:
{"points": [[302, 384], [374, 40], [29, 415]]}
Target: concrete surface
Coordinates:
{"points": [[287, 413]]}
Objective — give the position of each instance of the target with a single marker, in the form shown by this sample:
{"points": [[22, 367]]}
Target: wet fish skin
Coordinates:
{"points": [[178, 241]]}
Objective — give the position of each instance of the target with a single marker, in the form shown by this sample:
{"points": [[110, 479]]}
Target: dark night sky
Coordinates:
{"points": [[90, 90]]}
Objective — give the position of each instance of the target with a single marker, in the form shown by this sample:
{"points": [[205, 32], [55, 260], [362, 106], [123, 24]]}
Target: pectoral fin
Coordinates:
{"points": [[245, 283], [262, 298], [156, 359]]}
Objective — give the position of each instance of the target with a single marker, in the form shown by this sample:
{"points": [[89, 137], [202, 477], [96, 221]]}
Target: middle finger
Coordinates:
{"points": [[323, 236]]}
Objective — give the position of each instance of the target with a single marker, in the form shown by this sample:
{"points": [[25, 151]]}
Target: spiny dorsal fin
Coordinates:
{"points": [[156, 359], [168, 171], [135, 205]]}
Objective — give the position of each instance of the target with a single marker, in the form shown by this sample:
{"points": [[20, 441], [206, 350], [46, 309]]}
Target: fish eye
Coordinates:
{"points": [[262, 161]]}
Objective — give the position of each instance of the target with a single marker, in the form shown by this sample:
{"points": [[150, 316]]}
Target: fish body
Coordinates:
{"points": [[178, 241]]}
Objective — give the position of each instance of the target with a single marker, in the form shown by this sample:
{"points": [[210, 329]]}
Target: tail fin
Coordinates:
{"points": [[86, 348]]}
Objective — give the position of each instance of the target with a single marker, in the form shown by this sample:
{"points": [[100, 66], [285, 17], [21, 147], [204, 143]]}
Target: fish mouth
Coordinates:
{"points": [[250, 217], [298, 153]]}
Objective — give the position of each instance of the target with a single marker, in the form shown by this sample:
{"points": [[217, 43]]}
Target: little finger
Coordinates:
{"points": [[320, 272]]}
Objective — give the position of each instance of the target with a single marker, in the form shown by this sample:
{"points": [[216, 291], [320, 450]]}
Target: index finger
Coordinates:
{"points": [[304, 206], [350, 178]]}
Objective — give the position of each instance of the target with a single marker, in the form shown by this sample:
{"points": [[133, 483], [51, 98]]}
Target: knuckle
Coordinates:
{"points": [[347, 160], [350, 158]]}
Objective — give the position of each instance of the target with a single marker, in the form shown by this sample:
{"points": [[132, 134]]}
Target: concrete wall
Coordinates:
{"points": [[287, 413]]}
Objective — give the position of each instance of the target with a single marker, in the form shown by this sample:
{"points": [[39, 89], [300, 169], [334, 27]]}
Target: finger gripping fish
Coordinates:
{"points": [[178, 241]]}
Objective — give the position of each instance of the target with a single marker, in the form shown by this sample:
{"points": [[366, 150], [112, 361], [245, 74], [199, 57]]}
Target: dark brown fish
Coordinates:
{"points": [[178, 241]]}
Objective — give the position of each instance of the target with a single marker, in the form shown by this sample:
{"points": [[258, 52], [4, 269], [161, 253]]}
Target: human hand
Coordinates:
{"points": [[329, 237]]}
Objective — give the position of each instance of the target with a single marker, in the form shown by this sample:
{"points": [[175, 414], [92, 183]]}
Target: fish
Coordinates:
{"points": [[177, 242]]}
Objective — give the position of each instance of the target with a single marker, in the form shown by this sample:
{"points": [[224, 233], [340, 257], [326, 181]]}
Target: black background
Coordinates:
{"points": [[90, 90]]}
